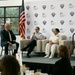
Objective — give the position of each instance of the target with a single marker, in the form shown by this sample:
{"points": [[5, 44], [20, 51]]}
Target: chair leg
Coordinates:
{"points": [[22, 53], [2, 51]]}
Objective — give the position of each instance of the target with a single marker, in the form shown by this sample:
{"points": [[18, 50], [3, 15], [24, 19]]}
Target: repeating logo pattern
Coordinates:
{"points": [[71, 5], [53, 14], [44, 22], [62, 6], [72, 13], [28, 22], [52, 7], [35, 23], [52, 23], [43, 18], [35, 7], [27, 7], [62, 22], [28, 37], [28, 15], [36, 14], [72, 30], [44, 7], [62, 14], [71, 22], [62, 30], [44, 30]]}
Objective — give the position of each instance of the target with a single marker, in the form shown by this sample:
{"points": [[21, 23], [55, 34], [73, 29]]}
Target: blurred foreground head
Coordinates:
{"points": [[63, 52], [9, 66]]}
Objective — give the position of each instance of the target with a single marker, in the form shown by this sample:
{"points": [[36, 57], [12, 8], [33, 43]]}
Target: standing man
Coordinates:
{"points": [[8, 38], [35, 36]]}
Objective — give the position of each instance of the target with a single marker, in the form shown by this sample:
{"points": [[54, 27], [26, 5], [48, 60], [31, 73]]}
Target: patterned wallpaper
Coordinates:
{"points": [[50, 14]]}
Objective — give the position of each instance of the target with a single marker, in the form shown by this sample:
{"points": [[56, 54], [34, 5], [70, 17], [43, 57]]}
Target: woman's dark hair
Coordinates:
{"points": [[38, 28], [63, 51], [9, 65], [57, 30]]}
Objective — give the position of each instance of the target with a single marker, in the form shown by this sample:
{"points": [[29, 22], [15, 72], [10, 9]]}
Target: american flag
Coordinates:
{"points": [[22, 22]]}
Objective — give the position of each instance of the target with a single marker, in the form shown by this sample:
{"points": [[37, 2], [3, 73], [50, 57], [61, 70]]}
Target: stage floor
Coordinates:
{"points": [[42, 60]]}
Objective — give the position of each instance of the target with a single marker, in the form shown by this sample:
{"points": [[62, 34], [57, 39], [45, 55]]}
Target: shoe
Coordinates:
{"points": [[51, 57], [46, 56], [28, 56], [23, 49]]}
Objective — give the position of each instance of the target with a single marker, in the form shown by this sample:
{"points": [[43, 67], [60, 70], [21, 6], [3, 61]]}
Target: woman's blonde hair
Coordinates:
{"points": [[63, 52]]}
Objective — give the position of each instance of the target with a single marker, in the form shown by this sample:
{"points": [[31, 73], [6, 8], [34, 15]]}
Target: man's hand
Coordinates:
{"points": [[33, 36], [9, 43]]}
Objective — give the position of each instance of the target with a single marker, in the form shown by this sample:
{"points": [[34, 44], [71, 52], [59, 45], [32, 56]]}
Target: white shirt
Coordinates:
{"points": [[37, 35], [55, 38]]}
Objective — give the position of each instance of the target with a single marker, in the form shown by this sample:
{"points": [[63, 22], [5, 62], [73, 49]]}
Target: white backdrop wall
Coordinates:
{"points": [[49, 14]]}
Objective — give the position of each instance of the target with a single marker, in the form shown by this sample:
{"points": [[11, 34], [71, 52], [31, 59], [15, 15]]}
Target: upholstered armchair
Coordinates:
{"points": [[62, 40], [24, 42]]}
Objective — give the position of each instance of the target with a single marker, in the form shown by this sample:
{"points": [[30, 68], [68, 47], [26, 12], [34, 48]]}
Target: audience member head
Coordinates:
{"points": [[56, 31], [7, 26], [63, 52], [9, 65], [37, 29]]}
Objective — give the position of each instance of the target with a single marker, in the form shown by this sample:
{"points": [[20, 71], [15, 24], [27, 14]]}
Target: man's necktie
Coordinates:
{"points": [[10, 36]]}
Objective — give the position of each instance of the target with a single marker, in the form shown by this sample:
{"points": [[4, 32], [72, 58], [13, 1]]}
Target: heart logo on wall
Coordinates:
{"points": [[27, 7], [44, 22], [62, 6], [71, 13], [28, 37], [62, 22], [36, 14], [28, 22], [53, 14], [44, 6], [72, 30]]}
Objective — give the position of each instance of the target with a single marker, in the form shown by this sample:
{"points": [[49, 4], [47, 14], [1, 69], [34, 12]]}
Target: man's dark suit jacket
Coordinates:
{"points": [[5, 37], [62, 67]]}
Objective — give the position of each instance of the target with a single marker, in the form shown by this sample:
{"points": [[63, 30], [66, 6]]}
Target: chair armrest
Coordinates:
{"points": [[65, 42], [24, 42], [44, 42], [39, 46]]}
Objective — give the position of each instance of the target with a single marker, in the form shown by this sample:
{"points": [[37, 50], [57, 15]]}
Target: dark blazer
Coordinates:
{"points": [[62, 67], [5, 37]]}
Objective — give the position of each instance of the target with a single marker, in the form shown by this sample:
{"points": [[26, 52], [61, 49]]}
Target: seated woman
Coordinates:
{"points": [[53, 43], [63, 65], [9, 65]]}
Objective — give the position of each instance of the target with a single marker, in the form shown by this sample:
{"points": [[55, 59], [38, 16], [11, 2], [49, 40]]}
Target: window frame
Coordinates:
{"points": [[11, 17]]}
